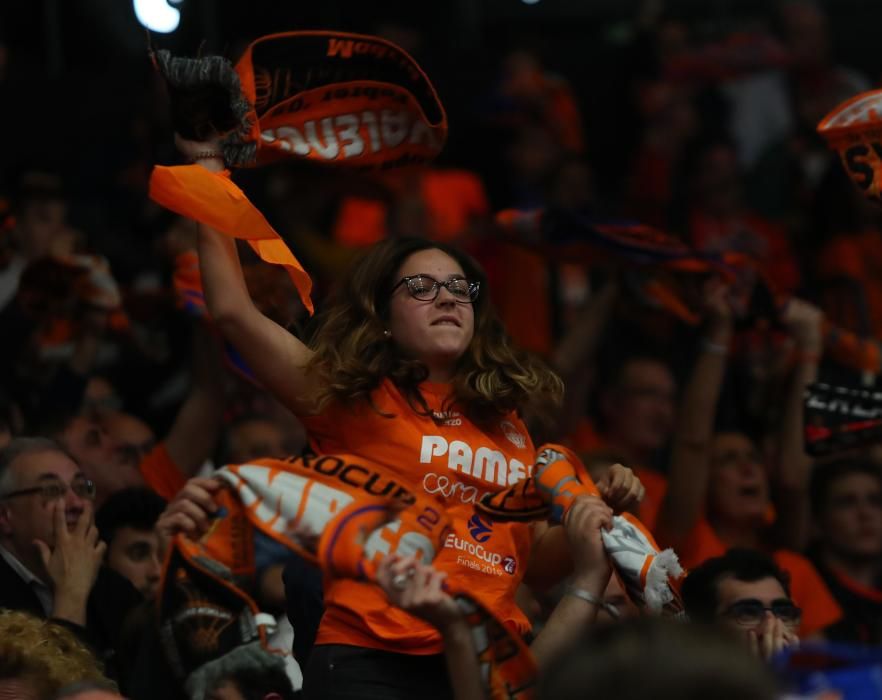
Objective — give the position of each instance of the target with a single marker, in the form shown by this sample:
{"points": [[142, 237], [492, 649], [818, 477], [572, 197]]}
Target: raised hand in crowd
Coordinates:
{"points": [[208, 154], [620, 488], [278, 359], [805, 323], [73, 562], [792, 468], [689, 473], [718, 311], [190, 512]]}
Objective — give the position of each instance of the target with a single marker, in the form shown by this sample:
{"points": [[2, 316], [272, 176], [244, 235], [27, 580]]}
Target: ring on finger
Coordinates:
{"points": [[400, 582]]}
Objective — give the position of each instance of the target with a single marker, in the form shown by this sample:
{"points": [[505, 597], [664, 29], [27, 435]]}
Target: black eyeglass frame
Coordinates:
{"points": [[474, 288], [84, 488], [748, 606]]}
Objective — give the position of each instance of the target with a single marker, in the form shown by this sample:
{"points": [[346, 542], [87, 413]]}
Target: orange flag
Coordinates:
{"points": [[214, 200]]}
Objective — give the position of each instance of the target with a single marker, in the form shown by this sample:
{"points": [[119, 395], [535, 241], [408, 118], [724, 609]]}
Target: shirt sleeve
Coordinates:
{"points": [[160, 473], [819, 608]]}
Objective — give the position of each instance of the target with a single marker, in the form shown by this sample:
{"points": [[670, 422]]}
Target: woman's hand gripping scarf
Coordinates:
{"points": [[324, 509], [649, 576]]}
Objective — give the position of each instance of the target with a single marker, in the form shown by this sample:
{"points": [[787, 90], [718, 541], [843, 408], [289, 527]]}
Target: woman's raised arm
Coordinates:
{"points": [[277, 358]]}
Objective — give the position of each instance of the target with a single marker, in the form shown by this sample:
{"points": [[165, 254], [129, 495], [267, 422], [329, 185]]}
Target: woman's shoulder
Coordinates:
{"points": [[383, 401]]}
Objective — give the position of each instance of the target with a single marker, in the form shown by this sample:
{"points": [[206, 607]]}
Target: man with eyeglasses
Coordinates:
{"points": [[50, 552], [746, 592]]}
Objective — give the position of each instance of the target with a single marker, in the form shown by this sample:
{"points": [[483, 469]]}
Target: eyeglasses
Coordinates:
{"points": [[55, 489], [751, 612], [425, 288]]}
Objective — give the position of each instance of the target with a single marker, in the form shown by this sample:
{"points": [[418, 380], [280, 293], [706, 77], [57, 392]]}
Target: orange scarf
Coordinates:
{"points": [[323, 508], [669, 272], [347, 100], [650, 577]]}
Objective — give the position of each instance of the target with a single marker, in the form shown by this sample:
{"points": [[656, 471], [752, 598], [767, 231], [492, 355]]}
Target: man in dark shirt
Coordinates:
{"points": [[847, 507], [126, 522], [50, 554]]}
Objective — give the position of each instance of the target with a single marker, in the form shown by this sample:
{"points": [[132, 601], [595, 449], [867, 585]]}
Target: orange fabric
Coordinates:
{"points": [[852, 129], [656, 485], [518, 280], [759, 239], [585, 439], [819, 608], [213, 199], [650, 577], [361, 222], [564, 116], [857, 257], [453, 200], [343, 513], [328, 96], [856, 587], [160, 473], [456, 461]]}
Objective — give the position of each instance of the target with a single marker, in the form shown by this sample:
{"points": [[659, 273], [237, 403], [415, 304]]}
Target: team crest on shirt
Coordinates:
{"points": [[514, 437], [449, 418]]}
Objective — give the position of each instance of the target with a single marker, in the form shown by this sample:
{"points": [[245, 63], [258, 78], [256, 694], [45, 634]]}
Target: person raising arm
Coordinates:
{"points": [[409, 369]]}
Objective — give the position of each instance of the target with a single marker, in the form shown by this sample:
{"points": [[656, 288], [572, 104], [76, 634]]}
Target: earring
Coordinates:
{"points": [[387, 333]]}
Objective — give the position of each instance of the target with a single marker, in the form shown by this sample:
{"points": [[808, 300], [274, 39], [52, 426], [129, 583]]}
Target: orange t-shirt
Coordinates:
{"points": [[656, 485], [455, 460], [856, 260], [809, 592], [453, 200], [585, 440], [518, 278], [160, 473]]}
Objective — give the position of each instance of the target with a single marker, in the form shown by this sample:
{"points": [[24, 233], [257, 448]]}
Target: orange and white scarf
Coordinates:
{"points": [[649, 576], [323, 508]]}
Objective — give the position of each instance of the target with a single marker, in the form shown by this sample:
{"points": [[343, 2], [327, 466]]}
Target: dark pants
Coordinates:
{"points": [[339, 672], [304, 604]]}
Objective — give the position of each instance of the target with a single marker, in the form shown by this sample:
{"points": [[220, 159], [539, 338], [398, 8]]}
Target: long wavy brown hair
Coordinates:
{"points": [[352, 354]]}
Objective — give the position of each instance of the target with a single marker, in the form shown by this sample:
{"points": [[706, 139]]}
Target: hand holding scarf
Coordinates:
{"points": [[649, 576]]}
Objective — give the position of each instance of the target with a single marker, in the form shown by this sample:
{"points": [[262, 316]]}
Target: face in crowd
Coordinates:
{"points": [[129, 433], [431, 317], [640, 409], [255, 438], [34, 483], [104, 460], [739, 488], [849, 523], [750, 605], [135, 554]]}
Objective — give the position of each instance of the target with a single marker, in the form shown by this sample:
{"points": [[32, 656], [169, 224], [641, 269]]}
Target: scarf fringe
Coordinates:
{"points": [[665, 568]]}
